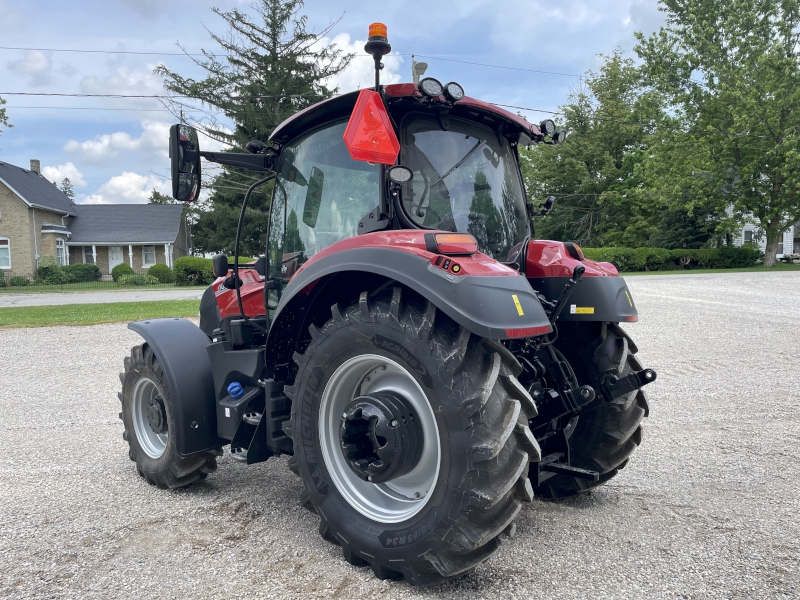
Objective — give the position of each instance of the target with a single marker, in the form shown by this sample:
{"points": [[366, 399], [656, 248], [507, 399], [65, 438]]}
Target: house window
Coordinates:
{"points": [[148, 256], [5, 253], [88, 255], [748, 236], [60, 258]]}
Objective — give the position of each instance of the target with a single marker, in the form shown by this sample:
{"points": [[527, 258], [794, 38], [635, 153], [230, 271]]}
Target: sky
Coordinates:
{"points": [[115, 150]]}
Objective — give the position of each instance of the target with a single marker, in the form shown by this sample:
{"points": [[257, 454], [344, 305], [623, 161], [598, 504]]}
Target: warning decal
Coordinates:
{"points": [[581, 310]]}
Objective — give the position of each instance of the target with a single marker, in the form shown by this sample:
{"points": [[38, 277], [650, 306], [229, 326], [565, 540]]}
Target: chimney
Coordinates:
{"points": [[36, 166]]}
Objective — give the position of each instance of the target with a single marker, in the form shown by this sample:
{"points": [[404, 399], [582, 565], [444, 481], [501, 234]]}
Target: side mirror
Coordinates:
{"points": [[549, 202], [184, 152], [220, 265]]}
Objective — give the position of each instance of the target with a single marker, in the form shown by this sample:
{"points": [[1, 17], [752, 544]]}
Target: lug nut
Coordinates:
{"points": [[394, 423]]}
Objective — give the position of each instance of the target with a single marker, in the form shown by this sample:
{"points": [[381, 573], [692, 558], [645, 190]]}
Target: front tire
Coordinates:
{"points": [[149, 420], [471, 479]]}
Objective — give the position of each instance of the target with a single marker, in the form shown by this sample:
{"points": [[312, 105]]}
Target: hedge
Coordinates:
{"points": [[80, 272], [161, 272], [137, 279], [661, 259], [193, 270], [121, 270]]}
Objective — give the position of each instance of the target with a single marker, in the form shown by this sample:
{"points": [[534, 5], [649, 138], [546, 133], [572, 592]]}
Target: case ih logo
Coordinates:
{"points": [[400, 350]]}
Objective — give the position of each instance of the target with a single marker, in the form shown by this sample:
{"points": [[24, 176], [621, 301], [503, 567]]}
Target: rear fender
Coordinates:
{"points": [[180, 348], [601, 295], [484, 305]]}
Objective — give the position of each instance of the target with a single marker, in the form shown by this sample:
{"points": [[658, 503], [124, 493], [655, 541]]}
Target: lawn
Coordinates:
{"points": [[92, 314], [89, 286], [778, 267]]}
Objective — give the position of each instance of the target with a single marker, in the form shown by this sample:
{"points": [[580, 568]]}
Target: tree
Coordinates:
{"points": [[593, 175], [4, 116], [273, 68], [730, 71], [157, 197], [67, 188]]}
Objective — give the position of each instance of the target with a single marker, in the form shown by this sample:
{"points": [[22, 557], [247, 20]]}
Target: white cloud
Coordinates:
{"points": [[104, 148], [35, 64], [361, 71], [68, 171], [128, 188]]}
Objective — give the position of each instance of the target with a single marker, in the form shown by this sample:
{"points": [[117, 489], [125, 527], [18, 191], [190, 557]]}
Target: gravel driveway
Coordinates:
{"points": [[98, 297], [707, 507]]}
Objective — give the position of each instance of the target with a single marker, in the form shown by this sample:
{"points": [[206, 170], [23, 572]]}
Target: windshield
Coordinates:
{"points": [[465, 181], [321, 194]]}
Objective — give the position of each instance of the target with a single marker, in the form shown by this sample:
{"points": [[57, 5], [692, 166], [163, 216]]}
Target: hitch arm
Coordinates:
{"points": [[614, 387]]}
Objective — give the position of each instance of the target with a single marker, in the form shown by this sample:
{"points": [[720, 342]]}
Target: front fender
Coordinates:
{"points": [[496, 307], [180, 348]]}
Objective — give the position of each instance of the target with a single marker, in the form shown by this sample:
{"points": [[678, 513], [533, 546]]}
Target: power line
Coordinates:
{"points": [[152, 96], [87, 108]]}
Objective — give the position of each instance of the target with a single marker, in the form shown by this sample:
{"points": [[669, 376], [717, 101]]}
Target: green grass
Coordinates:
{"points": [[778, 267], [92, 314], [89, 286]]}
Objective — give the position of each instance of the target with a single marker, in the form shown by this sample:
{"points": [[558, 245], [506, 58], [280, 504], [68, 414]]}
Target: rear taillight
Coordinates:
{"points": [[522, 332], [455, 243]]}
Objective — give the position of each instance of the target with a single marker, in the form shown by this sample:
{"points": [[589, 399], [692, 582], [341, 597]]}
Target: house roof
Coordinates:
{"points": [[35, 190], [126, 223]]}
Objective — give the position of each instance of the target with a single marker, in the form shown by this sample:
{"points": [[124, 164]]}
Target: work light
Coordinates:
{"points": [[430, 87], [454, 91]]}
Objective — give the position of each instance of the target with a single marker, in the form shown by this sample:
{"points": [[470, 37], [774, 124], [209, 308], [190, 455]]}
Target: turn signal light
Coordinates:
{"points": [[521, 332], [456, 243], [378, 30]]}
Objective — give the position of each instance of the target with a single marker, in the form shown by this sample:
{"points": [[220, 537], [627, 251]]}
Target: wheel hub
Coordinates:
{"points": [[156, 416], [380, 437]]}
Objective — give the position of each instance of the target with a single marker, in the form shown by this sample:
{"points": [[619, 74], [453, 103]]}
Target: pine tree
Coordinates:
{"points": [[67, 188], [273, 68]]}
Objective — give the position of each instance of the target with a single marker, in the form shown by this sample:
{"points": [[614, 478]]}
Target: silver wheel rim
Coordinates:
{"points": [[154, 444], [398, 499]]}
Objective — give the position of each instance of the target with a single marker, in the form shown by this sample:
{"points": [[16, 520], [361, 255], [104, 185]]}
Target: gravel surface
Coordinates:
{"points": [[707, 507], [96, 297]]}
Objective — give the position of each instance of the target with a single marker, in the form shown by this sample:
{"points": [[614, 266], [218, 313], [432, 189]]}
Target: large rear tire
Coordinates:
{"points": [[149, 419], [471, 479], [602, 437]]}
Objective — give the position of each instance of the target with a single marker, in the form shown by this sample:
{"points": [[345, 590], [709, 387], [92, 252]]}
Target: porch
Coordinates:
{"points": [[139, 257]]}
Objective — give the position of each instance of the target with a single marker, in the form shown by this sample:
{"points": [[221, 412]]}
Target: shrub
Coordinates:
{"points": [[137, 279], [18, 281], [162, 272], [121, 270], [2, 280], [48, 271], [193, 270], [82, 272], [660, 259]]}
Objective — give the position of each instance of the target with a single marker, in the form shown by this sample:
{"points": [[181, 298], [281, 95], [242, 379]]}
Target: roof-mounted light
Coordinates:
{"points": [[547, 127], [559, 135], [454, 91], [431, 87]]}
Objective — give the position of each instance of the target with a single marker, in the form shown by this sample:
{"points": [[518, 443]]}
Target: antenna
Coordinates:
{"points": [[417, 70]]}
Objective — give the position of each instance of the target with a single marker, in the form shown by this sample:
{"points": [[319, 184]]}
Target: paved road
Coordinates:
{"points": [[707, 507], [97, 297]]}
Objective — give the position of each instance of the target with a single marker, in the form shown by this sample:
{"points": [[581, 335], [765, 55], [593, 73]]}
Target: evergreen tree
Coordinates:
{"points": [[67, 189], [273, 68], [3, 116], [157, 197]]}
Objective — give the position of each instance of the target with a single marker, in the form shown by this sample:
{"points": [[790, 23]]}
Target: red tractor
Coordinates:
{"points": [[426, 366]]}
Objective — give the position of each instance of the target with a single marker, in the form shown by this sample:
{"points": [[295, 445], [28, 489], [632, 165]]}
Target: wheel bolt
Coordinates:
{"points": [[394, 423], [416, 495], [369, 477]]}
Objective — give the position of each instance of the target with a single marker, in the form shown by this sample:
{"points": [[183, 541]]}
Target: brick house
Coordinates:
{"points": [[37, 219]]}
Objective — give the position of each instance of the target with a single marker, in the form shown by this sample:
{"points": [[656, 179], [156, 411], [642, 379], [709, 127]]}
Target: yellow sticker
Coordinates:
{"points": [[629, 298], [519, 306], [581, 310]]}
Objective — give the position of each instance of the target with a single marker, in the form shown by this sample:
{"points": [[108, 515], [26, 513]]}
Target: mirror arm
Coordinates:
{"points": [[251, 162]]}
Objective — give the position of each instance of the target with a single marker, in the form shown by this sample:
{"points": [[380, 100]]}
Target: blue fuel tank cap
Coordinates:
{"points": [[236, 390]]}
